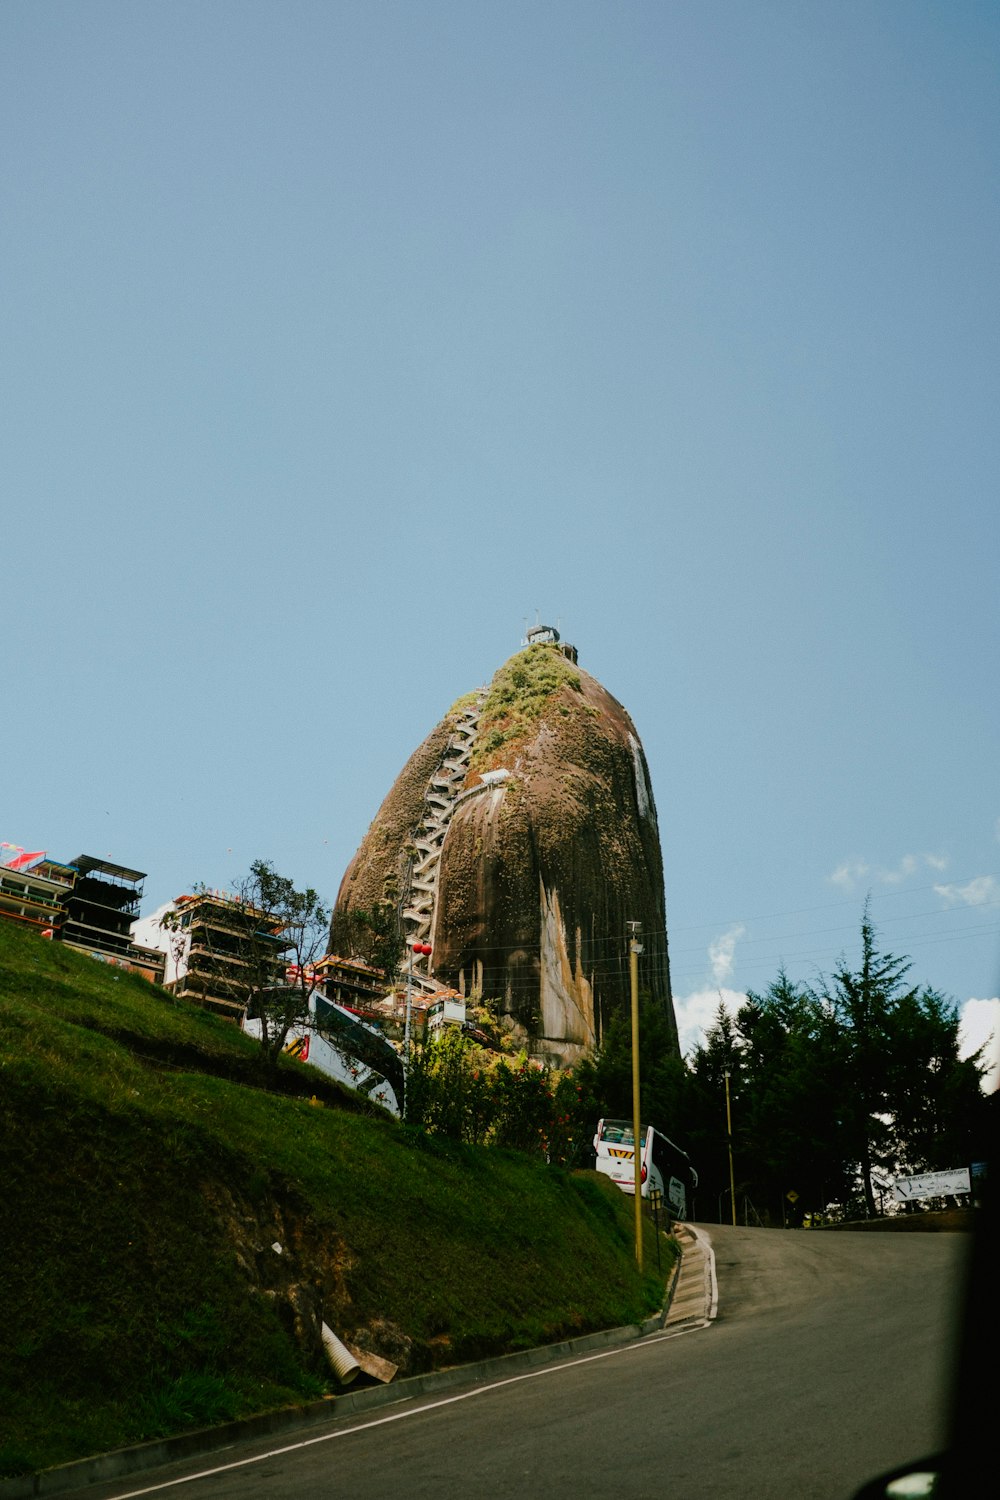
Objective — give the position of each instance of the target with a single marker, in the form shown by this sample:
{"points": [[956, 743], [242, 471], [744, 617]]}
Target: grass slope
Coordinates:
{"points": [[147, 1175]]}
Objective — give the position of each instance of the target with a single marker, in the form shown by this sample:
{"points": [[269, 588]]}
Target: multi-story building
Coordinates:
{"points": [[102, 905], [33, 888], [90, 904], [101, 909], [220, 949], [350, 982]]}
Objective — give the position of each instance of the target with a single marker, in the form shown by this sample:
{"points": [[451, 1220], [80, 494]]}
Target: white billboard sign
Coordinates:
{"points": [[931, 1185]]}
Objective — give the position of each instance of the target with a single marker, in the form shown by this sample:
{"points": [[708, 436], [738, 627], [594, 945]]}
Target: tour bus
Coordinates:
{"points": [[662, 1164]]}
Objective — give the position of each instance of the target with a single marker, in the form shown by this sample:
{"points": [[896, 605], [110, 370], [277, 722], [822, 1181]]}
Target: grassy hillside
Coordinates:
{"points": [[148, 1175]]}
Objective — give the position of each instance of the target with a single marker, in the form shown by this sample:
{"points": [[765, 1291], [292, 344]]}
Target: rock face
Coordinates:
{"points": [[520, 839]]}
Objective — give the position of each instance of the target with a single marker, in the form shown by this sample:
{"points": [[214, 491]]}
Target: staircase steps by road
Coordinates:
{"points": [[695, 1295]]}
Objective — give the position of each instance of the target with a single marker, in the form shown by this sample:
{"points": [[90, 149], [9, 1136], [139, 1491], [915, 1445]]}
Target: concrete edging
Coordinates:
{"points": [[121, 1462]]}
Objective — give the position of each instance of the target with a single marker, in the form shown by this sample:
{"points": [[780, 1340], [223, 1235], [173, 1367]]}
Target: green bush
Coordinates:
{"points": [[471, 1094]]}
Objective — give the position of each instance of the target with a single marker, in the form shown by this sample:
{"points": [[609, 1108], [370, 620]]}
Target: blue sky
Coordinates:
{"points": [[338, 339]]}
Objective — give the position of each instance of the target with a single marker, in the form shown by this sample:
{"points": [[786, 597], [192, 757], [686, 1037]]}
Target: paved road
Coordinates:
{"points": [[827, 1364]]}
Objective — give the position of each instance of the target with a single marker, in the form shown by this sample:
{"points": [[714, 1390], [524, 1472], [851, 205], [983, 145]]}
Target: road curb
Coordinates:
{"points": [[688, 1274], [695, 1302]]}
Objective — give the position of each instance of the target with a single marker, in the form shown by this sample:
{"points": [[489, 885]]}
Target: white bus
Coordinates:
{"points": [[662, 1164]]}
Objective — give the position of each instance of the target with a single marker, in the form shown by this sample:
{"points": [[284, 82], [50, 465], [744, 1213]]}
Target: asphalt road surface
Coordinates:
{"points": [[828, 1363]]}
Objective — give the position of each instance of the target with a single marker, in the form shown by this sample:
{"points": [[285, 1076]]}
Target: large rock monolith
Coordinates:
{"points": [[520, 839]]}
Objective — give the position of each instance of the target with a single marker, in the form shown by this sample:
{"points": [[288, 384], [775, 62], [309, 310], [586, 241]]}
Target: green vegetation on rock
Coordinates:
{"points": [[460, 705], [148, 1173], [520, 692]]}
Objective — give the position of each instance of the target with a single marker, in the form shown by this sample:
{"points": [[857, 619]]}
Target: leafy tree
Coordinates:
{"points": [[470, 1093], [787, 1109], [938, 1107], [705, 1121], [373, 933], [607, 1075], [301, 921], [447, 1088], [905, 1098], [867, 1005]]}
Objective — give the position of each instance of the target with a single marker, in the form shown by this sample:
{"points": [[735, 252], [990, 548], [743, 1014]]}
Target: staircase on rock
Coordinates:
{"points": [[443, 788]]}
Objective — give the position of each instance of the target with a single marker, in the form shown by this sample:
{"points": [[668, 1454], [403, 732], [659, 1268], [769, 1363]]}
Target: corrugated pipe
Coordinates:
{"points": [[342, 1361]]}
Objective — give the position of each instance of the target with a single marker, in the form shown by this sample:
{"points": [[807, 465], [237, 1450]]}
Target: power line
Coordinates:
{"points": [[799, 911]]}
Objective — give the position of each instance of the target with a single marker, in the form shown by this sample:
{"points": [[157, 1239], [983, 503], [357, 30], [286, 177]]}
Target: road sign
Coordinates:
{"points": [[931, 1185], [792, 1196]]}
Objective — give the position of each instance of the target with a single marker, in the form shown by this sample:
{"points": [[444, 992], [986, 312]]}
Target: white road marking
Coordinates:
{"points": [[413, 1411]]}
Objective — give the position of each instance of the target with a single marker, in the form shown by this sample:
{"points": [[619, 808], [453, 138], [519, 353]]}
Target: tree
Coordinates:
{"points": [[905, 1098], [460, 1089], [378, 933], [938, 1107], [788, 1135], [862, 1003], [705, 1114], [830, 1085], [272, 907], [259, 944], [607, 1074]]}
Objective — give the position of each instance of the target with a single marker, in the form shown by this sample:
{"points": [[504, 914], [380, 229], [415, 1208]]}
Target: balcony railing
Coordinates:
{"points": [[51, 903]]}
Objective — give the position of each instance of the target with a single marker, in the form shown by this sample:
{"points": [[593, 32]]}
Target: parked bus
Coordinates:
{"points": [[662, 1164]]}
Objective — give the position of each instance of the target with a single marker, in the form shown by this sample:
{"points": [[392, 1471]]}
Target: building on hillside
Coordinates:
{"points": [[102, 905], [101, 909], [350, 982], [151, 963], [218, 950], [444, 1008], [548, 635], [353, 1049], [33, 888], [90, 905]]}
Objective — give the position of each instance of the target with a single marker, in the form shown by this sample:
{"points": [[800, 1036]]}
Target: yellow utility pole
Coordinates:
{"points": [[729, 1141], [634, 949]]}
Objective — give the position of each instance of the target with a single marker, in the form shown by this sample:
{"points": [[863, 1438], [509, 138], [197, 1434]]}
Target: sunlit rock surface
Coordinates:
{"points": [[521, 838]]}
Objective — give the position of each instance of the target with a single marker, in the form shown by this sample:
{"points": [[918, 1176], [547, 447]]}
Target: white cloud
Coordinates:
{"points": [[910, 865], [849, 873], [984, 890], [979, 1023], [696, 1012], [722, 951]]}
